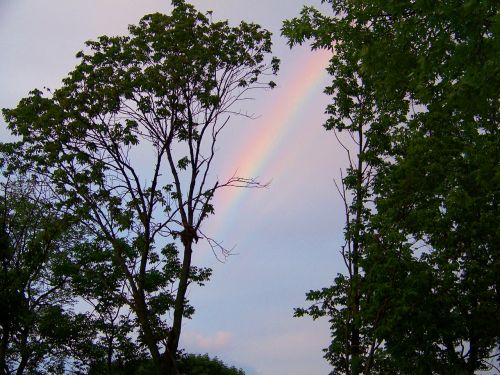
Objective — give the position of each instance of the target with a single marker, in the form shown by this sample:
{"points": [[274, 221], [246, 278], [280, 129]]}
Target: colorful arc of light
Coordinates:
{"points": [[265, 150]]}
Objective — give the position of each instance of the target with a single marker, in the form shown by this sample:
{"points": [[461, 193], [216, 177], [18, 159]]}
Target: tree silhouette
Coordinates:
{"points": [[166, 91]]}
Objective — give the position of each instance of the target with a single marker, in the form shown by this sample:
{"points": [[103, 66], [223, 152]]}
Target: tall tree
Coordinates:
{"points": [[354, 112], [442, 194], [165, 91], [431, 254]]}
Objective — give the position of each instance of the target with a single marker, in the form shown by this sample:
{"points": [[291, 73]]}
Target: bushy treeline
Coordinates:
{"points": [[190, 364]]}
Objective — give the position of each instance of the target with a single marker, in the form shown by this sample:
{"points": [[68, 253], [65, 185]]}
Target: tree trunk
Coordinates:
{"points": [[187, 237], [355, 334], [141, 310], [110, 353], [25, 354], [22, 365], [149, 337]]}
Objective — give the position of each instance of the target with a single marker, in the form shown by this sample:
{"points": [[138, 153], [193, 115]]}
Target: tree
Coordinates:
{"points": [[431, 256], [168, 89], [192, 364], [353, 110], [100, 286], [38, 330], [202, 364], [441, 195]]}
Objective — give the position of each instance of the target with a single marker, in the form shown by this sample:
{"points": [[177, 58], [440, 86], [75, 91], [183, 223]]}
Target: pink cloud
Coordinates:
{"points": [[217, 341]]}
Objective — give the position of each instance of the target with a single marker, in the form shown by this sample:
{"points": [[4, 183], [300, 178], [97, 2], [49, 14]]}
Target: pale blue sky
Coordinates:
{"points": [[287, 236]]}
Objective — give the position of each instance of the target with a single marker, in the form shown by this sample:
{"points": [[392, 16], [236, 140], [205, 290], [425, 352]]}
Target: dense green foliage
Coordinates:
{"points": [[187, 364], [425, 299], [38, 329], [204, 365]]}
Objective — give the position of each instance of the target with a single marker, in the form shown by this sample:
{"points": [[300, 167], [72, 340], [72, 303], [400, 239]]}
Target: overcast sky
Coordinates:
{"points": [[286, 237]]}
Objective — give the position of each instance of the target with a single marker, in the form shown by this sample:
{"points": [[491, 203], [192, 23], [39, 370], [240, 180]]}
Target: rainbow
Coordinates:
{"points": [[264, 150]]}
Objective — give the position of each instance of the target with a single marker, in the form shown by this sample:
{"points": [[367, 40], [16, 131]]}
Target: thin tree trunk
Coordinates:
{"points": [[187, 237], [356, 349], [22, 365], [25, 355], [141, 310], [149, 337], [110, 353]]}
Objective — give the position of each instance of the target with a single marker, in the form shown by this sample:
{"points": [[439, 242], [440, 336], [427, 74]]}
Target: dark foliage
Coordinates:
{"points": [[426, 296]]}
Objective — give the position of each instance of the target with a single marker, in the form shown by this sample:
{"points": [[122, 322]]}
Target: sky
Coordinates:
{"points": [[286, 237]]}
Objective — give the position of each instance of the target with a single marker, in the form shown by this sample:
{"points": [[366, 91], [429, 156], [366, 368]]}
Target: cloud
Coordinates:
{"points": [[197, 341], [279, 346], [284, 347]]}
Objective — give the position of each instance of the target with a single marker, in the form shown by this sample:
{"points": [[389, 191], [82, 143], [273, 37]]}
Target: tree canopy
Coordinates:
{"points": [[427, 293], [38, 328]]}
